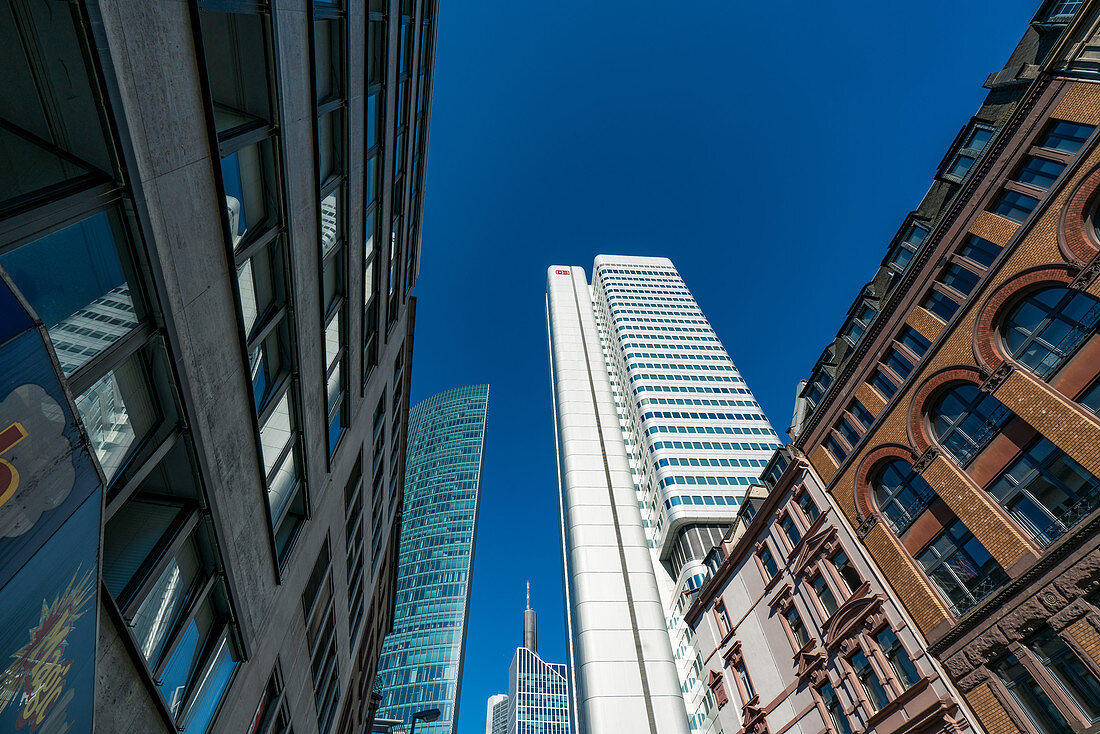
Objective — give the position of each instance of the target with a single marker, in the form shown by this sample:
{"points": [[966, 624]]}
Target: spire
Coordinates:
{"points": [[529, 638]]}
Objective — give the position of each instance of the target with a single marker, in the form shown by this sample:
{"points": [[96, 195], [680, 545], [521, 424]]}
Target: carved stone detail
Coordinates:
{"points": [[998, 377], [925, 460], [974, 679], [1075, 611], [1087, 276], [866, 525]]}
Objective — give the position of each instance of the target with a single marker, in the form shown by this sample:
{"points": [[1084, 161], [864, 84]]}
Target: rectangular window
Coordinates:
{"points": [[320, 616], [1064, 665], [869, 681], [832, 706], [746, 683], [898, 363], [797, 628], [971, 148], [1064, 9], [809, 509], [848, 431], [883, 385], [898, 657], [1031, 697], [861, 414], [824, 595], [959, 279], [1065, 136], [272, 715], [790, 529], [907, 247], [961, 567], [723, 619], [980, 251], [1014, 205], [846, 571], [1090, 398], [940, 305], [1039, 172], [836, 449], [768, 563], [913, 340]]}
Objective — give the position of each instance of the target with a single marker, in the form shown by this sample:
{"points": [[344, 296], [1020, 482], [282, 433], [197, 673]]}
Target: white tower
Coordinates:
{"points": [[658, 438]]}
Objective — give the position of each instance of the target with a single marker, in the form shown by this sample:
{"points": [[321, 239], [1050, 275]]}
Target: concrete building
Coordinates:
{"points": [[658, 438], [799, 632], [421, 665], [496, 714], [195, 203], [538, 691], [953, 420]]}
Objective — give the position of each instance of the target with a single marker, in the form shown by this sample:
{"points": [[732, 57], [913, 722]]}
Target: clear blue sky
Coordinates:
{"points": [[770, 149]]}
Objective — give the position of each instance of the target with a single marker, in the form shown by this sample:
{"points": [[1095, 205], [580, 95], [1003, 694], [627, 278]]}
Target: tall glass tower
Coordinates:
{"points": [[421, 663], [538, 691], [658, 437]]}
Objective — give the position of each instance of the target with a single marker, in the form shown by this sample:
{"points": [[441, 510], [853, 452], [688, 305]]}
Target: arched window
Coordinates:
{"points": [[965, 420], [961, 567], [901, 494], [1043, 329], [1046, 491]]}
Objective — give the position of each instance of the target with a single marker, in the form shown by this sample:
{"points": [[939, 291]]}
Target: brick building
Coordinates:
{"points": [[798, 632], [953, 421]]}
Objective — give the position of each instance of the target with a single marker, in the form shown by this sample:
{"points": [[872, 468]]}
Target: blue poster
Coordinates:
{"points": [[50, 507]]}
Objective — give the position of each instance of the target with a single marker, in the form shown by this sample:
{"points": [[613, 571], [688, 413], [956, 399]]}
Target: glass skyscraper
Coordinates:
{"points": [[421, 662], [538, 691], [658, 438]]}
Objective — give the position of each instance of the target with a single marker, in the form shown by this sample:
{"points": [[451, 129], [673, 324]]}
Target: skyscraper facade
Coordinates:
{"points": [[213, 209], [658, 438], [538, 691], [496, 714], [421, 663]]}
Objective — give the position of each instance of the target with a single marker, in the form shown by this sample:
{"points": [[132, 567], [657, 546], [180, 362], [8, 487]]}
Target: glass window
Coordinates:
{"points": [[913, 340], [847, 571], [790, 529], [898, 657], [798, 629], [1014, 205], [940, 305], [746, 683], [884, 385], [1065, 136], [898, 363], [980, 251], [331, 225], [861, 414], [965, 420], [1039, 172], [836, 449], [118, 411], [869, 680], [1030, 696], [94, 309], [1090, 398], [250, 198], [909, 245], [961, 567], [824, 595], [809, 509], [1066, 667], [959, 279], [1065, 8], [1047, 325], [328, 53], [237, 69], [971, 148], [330, 146], [833, 707], [376, 51], [901, 494], [848, 431], [1046, 491], [768, 562]]}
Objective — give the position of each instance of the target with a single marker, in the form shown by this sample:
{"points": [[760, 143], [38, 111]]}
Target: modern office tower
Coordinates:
{"points": [[658, 438], [953, 417], [195, 203], [421, 664], [496, 714], [538, 691]]}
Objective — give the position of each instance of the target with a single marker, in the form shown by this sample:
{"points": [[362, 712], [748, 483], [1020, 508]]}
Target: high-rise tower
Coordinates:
{"points": [[658, 437], [421, 663], [538, 693]]}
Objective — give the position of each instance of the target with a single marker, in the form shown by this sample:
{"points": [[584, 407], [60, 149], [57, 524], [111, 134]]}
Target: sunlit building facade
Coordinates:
{"points": [[421, 663], [538, 691], [214, 210], [658, 439]]}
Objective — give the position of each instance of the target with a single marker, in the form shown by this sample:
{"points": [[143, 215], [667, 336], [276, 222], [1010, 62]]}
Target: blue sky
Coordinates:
{"points": [[770, 149]]}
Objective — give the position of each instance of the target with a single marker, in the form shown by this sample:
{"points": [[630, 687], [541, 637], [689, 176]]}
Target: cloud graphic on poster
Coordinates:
{"points": [[43, 459]]}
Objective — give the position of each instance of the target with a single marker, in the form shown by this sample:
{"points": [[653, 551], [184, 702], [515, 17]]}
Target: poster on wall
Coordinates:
{"points": [[50, 506]]}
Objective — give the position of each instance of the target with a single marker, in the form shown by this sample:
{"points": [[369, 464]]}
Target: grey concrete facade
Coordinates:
{"points": [[151, 82]]}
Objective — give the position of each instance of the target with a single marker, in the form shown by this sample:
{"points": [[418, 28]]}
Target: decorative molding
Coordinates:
{"points": [[1087, 276], [734, 656], [1074, 612], [997, 379], [811, 667], [925, 460], [823, 544], [853, 616], [866, 525], [974, 679]]}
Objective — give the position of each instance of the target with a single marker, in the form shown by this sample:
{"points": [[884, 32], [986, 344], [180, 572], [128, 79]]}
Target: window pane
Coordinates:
{"points": [[249, 195], [93, 309], [1014, 205], [330, 145], [331, 211], [117, 411], [256, 285], [160, 610], [328, 55], [959, 279], [211, 687], [1067, 137], [276, 433], [186, 656], [979, 250], [130, 537], [1039, 172], [236, 63]]}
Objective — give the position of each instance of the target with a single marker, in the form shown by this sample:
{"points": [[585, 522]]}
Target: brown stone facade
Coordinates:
{"points": [[1034, 601]]}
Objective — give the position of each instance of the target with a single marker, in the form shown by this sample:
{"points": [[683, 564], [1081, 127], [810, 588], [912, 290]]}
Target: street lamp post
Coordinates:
{"points": [[425, 715]]}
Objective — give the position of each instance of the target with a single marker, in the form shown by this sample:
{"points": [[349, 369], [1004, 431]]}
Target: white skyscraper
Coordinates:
{"points": [[658, 438]]}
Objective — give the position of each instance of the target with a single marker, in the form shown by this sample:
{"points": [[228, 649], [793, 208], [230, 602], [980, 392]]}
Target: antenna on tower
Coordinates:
{"points": [[528, 594], [529, 637]]}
